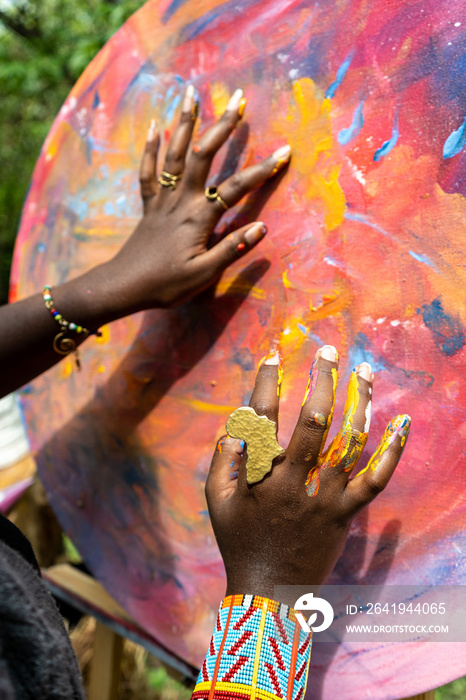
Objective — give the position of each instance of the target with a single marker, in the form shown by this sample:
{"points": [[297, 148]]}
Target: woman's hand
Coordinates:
{"points": [[291, 527], [167, 259]]}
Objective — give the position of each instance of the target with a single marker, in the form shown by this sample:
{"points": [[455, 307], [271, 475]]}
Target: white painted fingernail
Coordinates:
{"points": [[234, 101], [188, 99], [328, 352], [273, 358], [152, 131], [364, 370], [254, 234], [282, 155]]}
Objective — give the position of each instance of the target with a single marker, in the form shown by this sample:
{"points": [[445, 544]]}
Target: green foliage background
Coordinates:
{"points": [[44, 47]]}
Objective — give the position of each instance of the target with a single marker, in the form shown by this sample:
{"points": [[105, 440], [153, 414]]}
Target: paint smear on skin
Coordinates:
{"points": [[448, 332], [346, 135], [455, 142], [312, 481], [423, 259], [398, 426], [387, 146], [344, 447], [341, 72]]}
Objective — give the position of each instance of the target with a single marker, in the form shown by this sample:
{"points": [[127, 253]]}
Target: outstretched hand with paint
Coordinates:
{"points": [[168, 259], [284, 520]]}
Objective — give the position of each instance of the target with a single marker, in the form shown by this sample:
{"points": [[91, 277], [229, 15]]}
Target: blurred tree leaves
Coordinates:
{"points": [[44, 47]]}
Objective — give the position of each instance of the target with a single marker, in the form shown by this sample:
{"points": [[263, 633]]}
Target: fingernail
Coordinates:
{"points": [[403, 430], [152, 131], [235, 101], [281, 157], [328, 352], [188, 99], [242, 107], [254, 234], [364, 370], [273, 358]]}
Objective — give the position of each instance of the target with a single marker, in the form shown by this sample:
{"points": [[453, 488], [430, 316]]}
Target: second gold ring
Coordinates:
{"points": [[213, 196]]}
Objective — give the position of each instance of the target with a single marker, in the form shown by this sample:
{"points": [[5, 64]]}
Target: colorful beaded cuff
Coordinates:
{"points": [[62, 344], [257, 650]]}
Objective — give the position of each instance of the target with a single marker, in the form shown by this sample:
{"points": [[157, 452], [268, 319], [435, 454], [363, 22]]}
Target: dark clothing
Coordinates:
{"points": [[37, 661]]}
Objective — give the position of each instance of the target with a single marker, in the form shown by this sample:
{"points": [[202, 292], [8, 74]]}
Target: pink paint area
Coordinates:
{"points": [[364, 251]]}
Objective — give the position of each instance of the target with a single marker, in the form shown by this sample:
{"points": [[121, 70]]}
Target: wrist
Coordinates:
{"points": [[94, 298]]}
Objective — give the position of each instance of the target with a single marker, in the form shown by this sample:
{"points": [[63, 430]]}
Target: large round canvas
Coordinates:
{"points": [[364, 251]]}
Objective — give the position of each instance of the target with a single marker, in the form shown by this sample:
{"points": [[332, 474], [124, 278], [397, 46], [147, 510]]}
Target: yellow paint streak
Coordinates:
{"points": [[308, 127], [206, 407], [340, 301], [232, 287], [286, 282], [67, 368], [220, 95], [105, 337], [342, 442], [80, 230], [257, 654]]}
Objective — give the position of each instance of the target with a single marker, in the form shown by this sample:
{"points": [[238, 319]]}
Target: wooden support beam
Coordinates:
{"points": [[105, 667]]}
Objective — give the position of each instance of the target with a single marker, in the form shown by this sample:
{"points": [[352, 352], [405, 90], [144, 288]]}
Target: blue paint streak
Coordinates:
{"points": [[387, 146], [171, 9], [455, 142], [360, 352], [448, 332], [423, 259], [172, 107], [302, 328], [353, 216], [96, 101], [353, 130], [317, 339], [341, 72]]}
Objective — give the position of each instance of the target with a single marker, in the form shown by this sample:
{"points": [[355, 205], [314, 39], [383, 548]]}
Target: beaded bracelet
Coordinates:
{"points": [[258, 651], [62, 344]]}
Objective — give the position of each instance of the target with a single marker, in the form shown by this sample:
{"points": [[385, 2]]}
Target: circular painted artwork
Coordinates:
{"points": [[365, 251]]}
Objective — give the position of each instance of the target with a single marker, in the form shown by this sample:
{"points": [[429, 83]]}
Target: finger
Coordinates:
{"points": [[147, 172], [209, 265], [176, 154], [203, 152], [366, 485], [266, 394], [223, 474], [345, 449], [239, 184], [314, 422]]}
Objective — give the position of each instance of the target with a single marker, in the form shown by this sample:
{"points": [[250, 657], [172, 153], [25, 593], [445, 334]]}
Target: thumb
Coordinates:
{"points": [[223, 475], [232, 247]]}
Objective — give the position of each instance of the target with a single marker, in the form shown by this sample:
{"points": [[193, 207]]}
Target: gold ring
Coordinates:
{"points": [[168, 180], [260, 435], [213, 196]]}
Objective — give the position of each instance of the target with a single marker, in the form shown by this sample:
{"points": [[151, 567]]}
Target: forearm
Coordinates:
{"points": [[257, 650], [27, 328]]}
